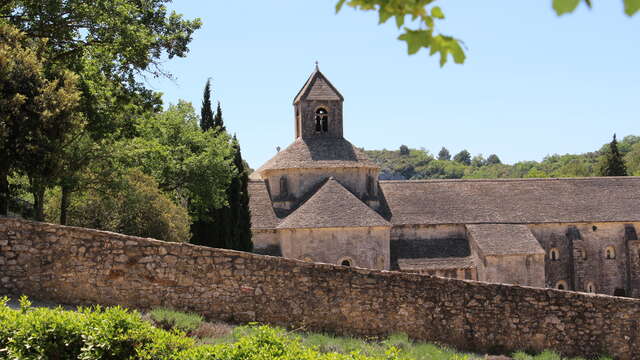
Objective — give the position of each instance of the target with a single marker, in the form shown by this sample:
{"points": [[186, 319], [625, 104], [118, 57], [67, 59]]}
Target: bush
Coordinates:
{"points": [[116, 333]]}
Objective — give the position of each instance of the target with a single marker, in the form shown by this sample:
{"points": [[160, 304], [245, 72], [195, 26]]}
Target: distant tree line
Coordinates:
{"points": [[612, 159], [84, 142]]}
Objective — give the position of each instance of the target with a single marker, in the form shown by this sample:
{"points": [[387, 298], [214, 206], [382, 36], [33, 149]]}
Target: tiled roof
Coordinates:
{"points": [[262, 214], [332, 206], [504, 239], [567, 200], [318, 87], [321, 152], [436, 263]]}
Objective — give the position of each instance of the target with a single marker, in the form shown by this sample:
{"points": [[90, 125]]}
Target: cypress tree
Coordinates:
{"points": [[217, 120], [239, 213], [613, 164], [206, 113]]}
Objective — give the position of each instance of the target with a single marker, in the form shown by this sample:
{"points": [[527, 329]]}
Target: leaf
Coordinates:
{"points": [[631, 7], [399, 20], [383, 16], [565, 6], [415, 39], [437, 13], [339, 5]]}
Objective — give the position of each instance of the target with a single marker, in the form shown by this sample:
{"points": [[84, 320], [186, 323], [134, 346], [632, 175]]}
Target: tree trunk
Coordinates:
{"points": [[38, 202], [64, 204], [4, 193]]}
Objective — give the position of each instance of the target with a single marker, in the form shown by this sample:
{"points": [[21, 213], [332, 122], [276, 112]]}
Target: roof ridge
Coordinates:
{"points": [[590, 178]]}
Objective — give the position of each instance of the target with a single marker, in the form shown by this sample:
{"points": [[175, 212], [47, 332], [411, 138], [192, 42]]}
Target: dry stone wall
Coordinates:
{"points": [[81, 266]]}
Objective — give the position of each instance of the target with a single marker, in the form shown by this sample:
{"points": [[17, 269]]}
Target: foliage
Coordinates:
{"points": [[419, 164], [239, 219], [493, 159], [206, 113], [426, 13], [567, 6], [37, 114], [188, 163], [613, 165], [218, 122], [116, 333], [425, 36], [131, 204], [169, 319], [444, 154], [463, 157]]}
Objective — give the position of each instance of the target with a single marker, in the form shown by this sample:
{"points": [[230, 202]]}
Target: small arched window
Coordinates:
{"points": [[591, 288], [610, 252], [562, 285], [346, 261], [322, 120], [554, 254], [284, 187], [580, 254]]}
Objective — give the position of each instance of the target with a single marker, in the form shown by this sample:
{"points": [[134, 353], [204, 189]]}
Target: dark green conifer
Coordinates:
{"points": [[240, 215], [206, 113], [613, 163], [217, 120]]}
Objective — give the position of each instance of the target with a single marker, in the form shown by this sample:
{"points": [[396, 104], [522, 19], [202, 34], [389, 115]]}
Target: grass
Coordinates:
{"points": [[169, 319]]}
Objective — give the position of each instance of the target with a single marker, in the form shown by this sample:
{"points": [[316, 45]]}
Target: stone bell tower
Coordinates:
{"points": [[318, 108]]}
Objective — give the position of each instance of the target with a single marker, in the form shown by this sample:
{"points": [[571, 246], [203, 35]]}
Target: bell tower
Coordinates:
{"points": [[318, 108]]}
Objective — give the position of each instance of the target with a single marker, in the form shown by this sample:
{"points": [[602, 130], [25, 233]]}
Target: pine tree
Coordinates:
{"points": [[613, 163], [444, 154], [206, 114], [217, 120]]}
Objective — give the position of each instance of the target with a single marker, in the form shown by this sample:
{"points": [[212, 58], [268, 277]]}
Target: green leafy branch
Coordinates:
{"points": [[424, 36], [562, 7]]}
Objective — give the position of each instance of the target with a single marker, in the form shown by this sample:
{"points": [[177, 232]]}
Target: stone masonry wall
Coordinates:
{"points": [[81, 266]]}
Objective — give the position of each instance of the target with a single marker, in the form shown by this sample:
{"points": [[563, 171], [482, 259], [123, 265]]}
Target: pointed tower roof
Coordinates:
{"points": [[318, 87], [333, 206]]}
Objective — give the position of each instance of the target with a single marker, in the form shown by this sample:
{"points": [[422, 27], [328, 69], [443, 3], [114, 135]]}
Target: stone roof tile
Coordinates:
{"points": [[504, 239], [318, 87], [524, 201], [262, 214], [436, 263], [315, 153], [332, 206]]}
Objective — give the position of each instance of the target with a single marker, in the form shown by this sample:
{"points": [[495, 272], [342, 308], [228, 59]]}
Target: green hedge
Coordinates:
{"points": [[116, 333]]}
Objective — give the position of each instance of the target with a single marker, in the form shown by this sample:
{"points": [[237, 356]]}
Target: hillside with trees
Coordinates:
{"points": [[612, 159]]}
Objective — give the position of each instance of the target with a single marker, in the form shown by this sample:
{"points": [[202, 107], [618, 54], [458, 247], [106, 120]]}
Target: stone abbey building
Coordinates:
{"points": [[320, 200]]}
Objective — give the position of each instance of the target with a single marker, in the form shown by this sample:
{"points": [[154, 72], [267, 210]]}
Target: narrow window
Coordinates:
{"points": [[345, 261], [554, 254], [322, 120], [561, 285], [284, 191], [591, 288], [610, 252]]}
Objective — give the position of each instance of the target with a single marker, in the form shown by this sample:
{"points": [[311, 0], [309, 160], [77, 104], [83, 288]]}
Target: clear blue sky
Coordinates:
{"points": [[533, 83]]}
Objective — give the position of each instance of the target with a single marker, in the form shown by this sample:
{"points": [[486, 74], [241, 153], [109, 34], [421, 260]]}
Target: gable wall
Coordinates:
{"points": [[572, 267], [368, 247]]}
